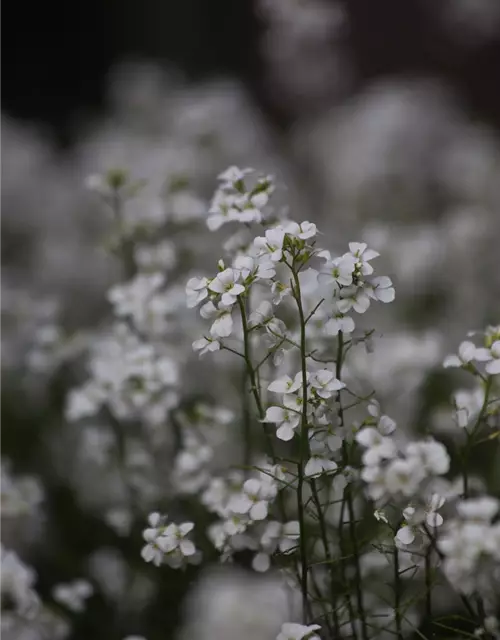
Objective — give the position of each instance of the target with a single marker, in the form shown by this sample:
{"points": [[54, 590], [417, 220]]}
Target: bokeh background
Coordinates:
{"points": [[381, 119]]}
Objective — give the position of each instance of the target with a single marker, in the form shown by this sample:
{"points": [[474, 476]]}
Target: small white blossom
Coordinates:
{"points": [[339, 322], [338, 271], [206, 345], [271, 244], [303, 231], [196, 291], [318, 465], [353, 298], [404, 476], [381, 289], [254, 499], [226, 284], [466, 353], [325, 384], [492, 358], [264, 315], [285, 384], [287, 421], [363, 255], [73, 595], [222, 326]]}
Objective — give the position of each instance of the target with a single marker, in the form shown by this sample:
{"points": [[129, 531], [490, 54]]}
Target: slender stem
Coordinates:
{"points": [[343, 567], [254, 388], [328, 555], [428, 584], [349, 497], [304, 446], [397, 594]]}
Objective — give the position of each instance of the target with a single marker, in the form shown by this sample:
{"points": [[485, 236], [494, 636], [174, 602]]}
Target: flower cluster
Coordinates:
{"points": [[471, 548], [235, 201], [168, 543], [73, 595], [389, 470]]}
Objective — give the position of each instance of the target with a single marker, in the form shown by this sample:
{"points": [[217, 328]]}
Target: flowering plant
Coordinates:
{"points": [[363, 522]]}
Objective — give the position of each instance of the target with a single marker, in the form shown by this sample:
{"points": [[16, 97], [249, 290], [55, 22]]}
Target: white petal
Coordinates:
{"points": [[259, 511], [452, 361], [493, 367], [187, 548], [405, 535], [274, 414], [285, 432]]}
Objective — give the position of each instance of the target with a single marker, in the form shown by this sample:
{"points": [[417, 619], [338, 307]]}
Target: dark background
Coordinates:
{"points": [[57, 54]]}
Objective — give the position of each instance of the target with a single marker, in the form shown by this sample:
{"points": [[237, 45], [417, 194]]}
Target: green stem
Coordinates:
{"points": [[428, 584], [349, 497], [254, 388], [397, 594], [304, 446]]}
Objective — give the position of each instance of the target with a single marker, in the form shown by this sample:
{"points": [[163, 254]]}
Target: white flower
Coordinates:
{"points": [[223, 323], [378, 446], [467, 405], [338, 271], [247, 266], [253, 499], [353, 298], [73, 595], [374, 476], [385, 425], [381, 289], [226, 283], [430, 455], [404, 476], [317, 465], [130, 298], [304, 230], [285, 384], [492, 358], [280, 291], [466, 353], [234, 174], [290, 533], [405, 534], [271, 244], [363, 255], [264, 315], [287, 421], [174, 537], [206, 345], [196, 291], [432, 517], [151, 553], [325, 383], [339, 322], [294, 631], [168, 544]]}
